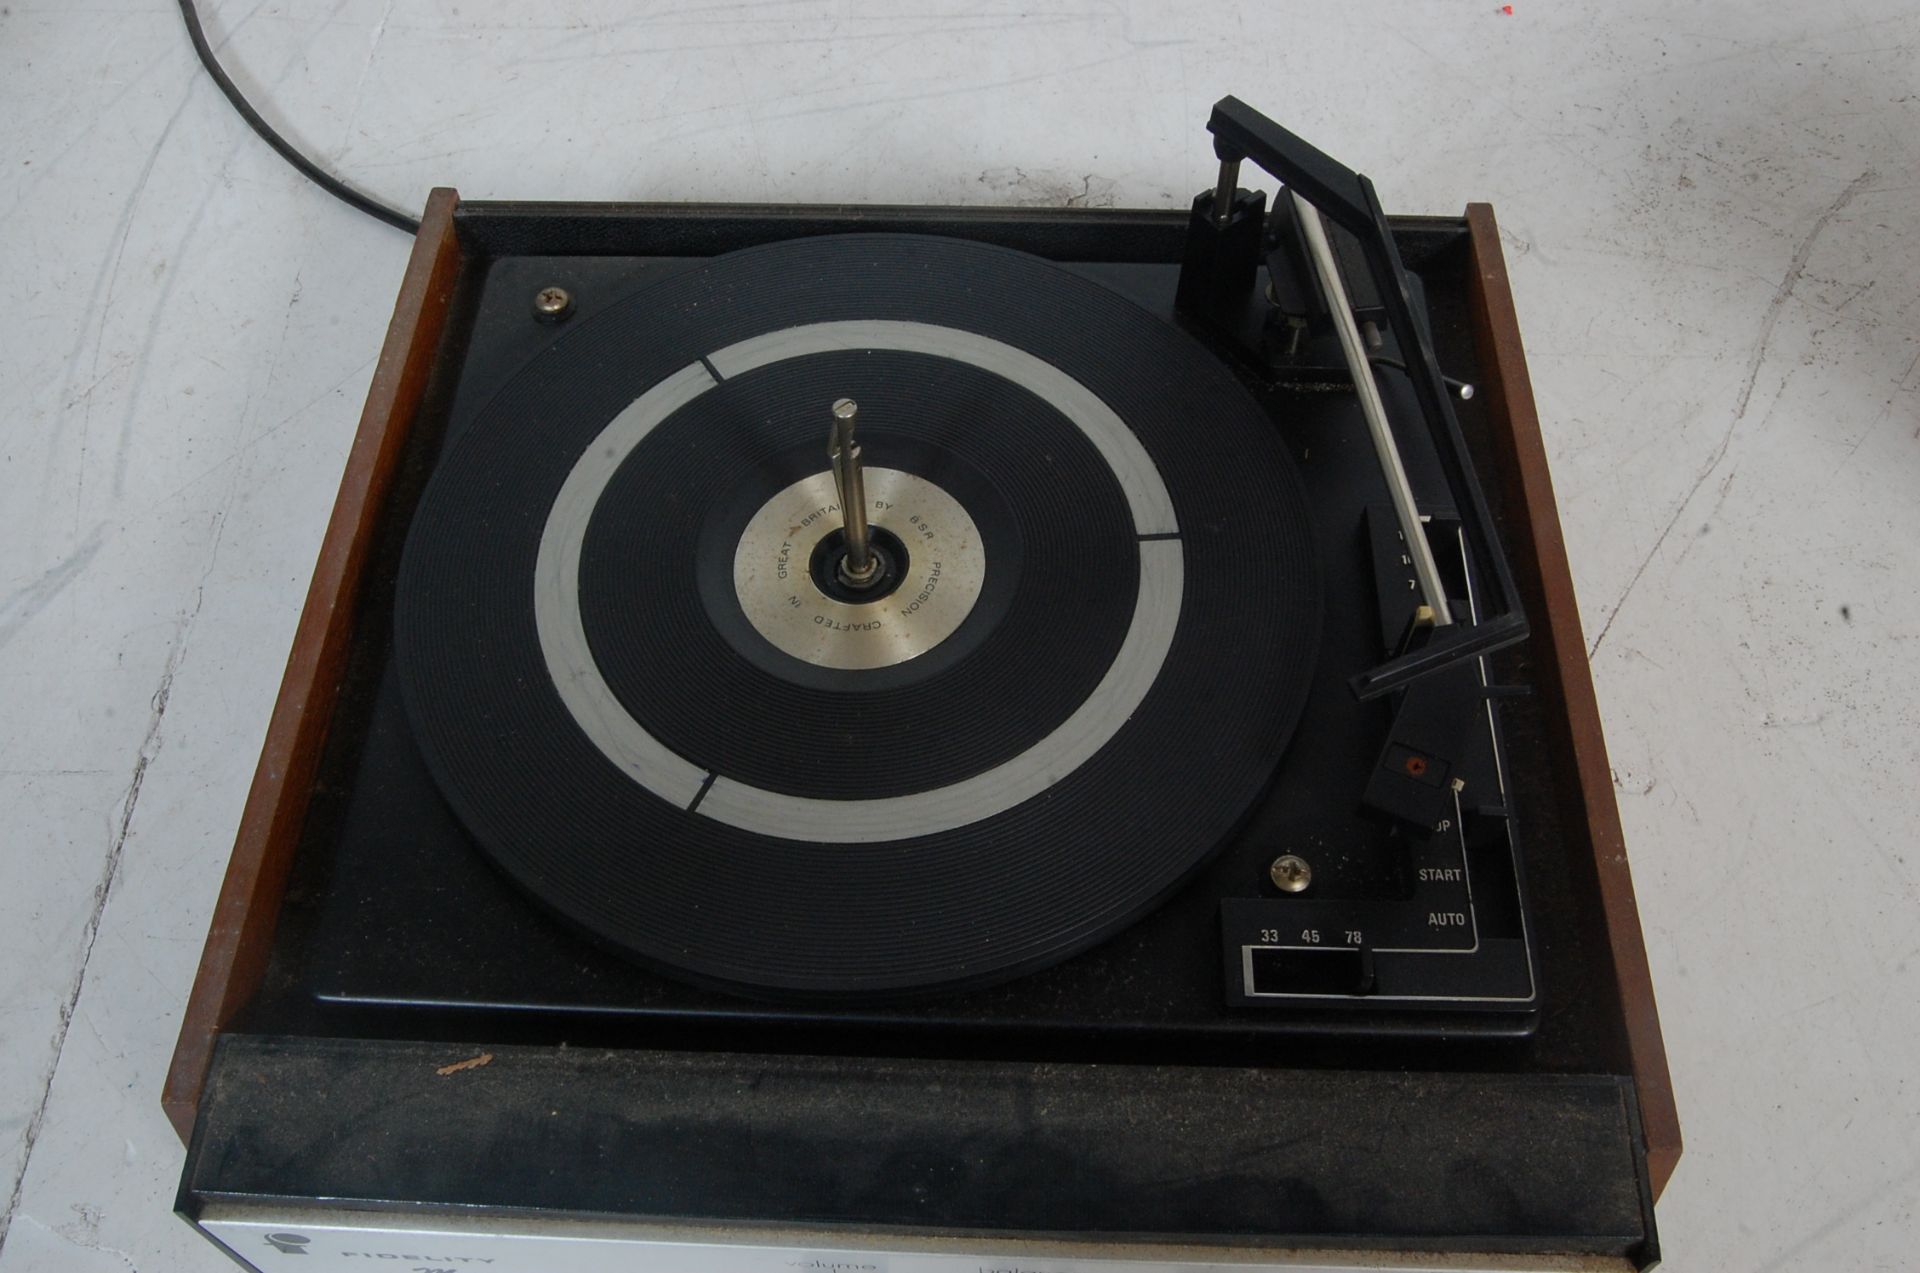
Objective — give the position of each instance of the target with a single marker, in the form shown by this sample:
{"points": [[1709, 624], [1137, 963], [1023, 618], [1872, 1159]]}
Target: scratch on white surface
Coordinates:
{"points": [[109, 872], [109, 273], [47, 169], [1790, 1258], [50, 773], [899, 99], [1048, 188], [105, 281], [1781, 294], [888, 39], [286, 324], [254, 442], [360, 86], [762, 167], [1901, 385], [888, 31], [87, 1237], [143, 360], [18, 609]]}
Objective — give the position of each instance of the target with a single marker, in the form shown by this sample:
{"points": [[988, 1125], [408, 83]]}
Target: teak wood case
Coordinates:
{"points": [[242, 930]]}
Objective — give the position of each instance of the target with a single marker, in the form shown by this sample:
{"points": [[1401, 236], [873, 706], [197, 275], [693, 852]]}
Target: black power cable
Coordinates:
{"points": [[312, 171]]}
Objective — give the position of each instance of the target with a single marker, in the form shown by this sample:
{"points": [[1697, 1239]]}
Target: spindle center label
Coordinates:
{"points": [[823, 623]]}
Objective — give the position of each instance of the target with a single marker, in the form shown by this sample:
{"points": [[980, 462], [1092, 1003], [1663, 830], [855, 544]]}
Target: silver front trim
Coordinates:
{"points": [[339, 1242]]}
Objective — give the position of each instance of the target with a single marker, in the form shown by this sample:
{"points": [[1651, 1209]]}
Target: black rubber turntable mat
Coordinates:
{"points": [[1113, 704]]}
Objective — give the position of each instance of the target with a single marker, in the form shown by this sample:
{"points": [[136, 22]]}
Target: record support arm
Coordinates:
{"points": [[1217, 270], [1327, 270]]}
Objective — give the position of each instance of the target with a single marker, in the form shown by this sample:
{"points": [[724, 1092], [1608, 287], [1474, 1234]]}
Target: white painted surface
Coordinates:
{"points": [[1710, 213]]}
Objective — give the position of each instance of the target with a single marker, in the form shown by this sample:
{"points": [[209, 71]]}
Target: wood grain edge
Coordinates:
{"points": [[1546, 582], [240, 935]]}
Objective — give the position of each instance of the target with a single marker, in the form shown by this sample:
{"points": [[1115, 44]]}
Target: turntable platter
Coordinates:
{"points": [[636, 680]]}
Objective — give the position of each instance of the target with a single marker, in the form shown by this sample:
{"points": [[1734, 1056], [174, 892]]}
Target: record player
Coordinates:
{"points": [[927, 739]]}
